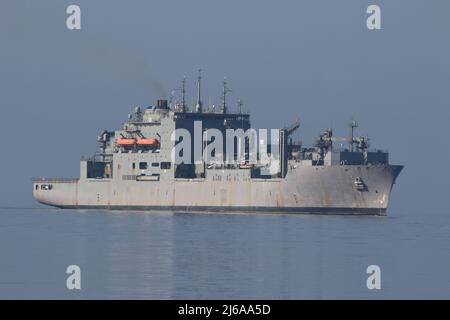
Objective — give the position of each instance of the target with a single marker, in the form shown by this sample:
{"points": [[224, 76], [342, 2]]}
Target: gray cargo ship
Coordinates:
{"points": [[135, 168]]}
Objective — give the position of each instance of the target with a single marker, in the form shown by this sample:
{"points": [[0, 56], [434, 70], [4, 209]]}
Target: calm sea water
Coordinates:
{"points": [[157, 255]]}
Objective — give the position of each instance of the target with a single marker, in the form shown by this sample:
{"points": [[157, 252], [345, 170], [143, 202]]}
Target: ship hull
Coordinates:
{"points": [[305, 190]]}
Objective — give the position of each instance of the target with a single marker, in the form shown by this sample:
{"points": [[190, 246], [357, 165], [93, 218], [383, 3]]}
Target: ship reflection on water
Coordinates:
{"points": [[152, 255]]}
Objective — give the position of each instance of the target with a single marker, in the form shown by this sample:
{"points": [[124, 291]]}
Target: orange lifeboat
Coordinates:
{"points": [[124, 142], [147, 142]]}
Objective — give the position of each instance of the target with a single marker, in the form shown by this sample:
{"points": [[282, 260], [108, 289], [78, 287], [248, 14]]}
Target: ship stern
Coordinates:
{"points": [[56, 192]]}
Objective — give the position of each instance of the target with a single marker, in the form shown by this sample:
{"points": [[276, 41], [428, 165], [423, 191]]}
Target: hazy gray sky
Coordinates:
{"points": [[315, 60]]}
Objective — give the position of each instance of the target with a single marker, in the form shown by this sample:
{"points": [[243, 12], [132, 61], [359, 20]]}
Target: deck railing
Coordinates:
{"points": [[55, 180]]}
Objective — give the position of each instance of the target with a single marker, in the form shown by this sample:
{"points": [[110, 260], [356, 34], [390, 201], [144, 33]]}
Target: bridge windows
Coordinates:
{"points": [[152, 165], [143, 165], [165, 165]]}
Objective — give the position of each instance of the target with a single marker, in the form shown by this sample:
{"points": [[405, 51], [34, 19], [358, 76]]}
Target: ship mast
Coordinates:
{"points": [[224, 96], [240, 104], [352, 126], [183, 95], [198, 107]]}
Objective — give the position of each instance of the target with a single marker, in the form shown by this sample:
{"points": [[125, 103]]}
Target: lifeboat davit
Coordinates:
{"points": [[124, 142], [147, 142]]}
